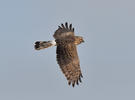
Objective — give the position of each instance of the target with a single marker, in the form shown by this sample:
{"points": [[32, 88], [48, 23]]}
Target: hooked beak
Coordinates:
{"points": [[83, 41]]}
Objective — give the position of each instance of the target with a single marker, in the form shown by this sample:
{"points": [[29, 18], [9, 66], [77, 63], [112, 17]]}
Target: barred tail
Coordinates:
{"points": [[44, 44]]}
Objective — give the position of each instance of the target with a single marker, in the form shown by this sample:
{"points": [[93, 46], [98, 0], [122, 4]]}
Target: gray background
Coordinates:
{"points": [[107, 56]]}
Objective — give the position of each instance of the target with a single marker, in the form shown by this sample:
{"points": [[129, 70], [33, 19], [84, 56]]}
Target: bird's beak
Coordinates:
{"points": [[83, 41]]}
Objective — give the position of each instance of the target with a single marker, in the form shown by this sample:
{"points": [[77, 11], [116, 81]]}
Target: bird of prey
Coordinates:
{"points": [[66, 51]]}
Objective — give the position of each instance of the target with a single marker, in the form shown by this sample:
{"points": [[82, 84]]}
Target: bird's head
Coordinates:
{"points": [[78, 40], [81, 39]]}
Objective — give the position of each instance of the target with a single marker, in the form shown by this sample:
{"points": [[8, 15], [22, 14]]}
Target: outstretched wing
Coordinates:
{"points": [[67, 56], [64, 31]]}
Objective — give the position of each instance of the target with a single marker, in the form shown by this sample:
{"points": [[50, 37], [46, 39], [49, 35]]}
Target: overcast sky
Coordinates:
{"points": [[107, 57]]}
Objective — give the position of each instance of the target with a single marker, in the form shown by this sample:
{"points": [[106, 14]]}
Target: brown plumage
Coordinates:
{"points": [[42, 44], [66, 51], [46, 44]]}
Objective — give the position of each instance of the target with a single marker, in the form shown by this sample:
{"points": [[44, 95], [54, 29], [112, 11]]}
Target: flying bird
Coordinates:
{"points": [[66, 51]]}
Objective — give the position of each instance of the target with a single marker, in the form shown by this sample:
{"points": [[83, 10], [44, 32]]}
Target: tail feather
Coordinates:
{"points": [[44, 44]]}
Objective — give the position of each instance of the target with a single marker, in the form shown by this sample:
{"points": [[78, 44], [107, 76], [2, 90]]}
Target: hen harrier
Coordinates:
{"points": [[66, 51]]}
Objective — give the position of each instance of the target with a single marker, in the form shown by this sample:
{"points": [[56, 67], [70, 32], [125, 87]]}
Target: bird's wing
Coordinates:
{"points": [[64, 31], [68, 60]]}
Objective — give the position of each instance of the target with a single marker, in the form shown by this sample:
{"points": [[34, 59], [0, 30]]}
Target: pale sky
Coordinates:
{"points": [[107, 57]]}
